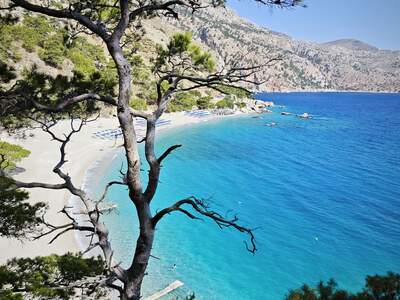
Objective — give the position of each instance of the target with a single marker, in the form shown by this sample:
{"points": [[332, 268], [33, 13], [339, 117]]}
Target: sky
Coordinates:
{"points": [[376, 22]]}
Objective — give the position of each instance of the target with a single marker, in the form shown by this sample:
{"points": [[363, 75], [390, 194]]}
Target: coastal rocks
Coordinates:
{"points": [[257, 106]]}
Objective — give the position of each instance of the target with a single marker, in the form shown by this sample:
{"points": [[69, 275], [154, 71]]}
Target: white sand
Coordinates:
{"points": [[83, 151]]}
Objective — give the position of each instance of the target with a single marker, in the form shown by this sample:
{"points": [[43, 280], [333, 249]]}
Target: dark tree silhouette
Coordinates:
{"points": [[377, 287]]}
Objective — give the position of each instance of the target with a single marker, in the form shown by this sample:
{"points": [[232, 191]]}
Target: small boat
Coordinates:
{"points": [[272, 124], [284, 113], [305, 116]]}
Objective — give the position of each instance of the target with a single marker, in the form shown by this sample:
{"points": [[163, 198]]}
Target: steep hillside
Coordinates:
{"points": [[341, 65], [351, 44]]}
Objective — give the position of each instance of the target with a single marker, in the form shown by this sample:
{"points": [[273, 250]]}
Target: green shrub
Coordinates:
{"points": [[234, 91], [138, 103], [227, 102], [82, 65], [204, 102], [181, 104], [53, 51], [240, 104], [39, 24], [85, 56], [184, 101], [33, 31]]}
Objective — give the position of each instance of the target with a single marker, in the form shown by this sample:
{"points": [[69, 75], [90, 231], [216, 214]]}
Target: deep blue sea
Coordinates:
{"points": [[324, 195]]}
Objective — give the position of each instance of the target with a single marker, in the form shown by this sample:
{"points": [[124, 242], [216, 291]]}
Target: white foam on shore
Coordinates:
{"points": [[90, 180]]}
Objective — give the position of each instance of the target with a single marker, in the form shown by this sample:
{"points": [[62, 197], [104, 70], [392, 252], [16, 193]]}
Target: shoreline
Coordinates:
{"points": [[98, 168], [84, 159]]}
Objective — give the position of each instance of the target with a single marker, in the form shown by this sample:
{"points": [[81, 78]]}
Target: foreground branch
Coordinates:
{"points": [[91, 207], [168, 152], [73, 100], [202, 208], [71, 14]]}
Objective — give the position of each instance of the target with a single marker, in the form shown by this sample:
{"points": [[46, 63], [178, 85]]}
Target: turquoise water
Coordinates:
{"points": [[324, 195]]}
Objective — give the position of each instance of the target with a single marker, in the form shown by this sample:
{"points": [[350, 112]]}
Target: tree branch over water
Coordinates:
{"points": [[201, 207]]}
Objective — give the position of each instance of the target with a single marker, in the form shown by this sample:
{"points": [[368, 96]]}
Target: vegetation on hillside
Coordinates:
{"points": [[53, 45], [377, 287], [50, 40]]}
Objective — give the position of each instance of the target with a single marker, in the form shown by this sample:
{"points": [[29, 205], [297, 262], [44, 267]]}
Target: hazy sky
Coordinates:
{"points": [[376, 22]]}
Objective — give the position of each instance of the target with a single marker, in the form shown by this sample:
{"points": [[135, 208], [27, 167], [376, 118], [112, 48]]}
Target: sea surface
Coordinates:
{"points": [[323, 196]]}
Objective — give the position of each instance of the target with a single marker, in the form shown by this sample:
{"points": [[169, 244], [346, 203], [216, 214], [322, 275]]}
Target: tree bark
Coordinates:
{"points": [[135, 274], [144, 244]]}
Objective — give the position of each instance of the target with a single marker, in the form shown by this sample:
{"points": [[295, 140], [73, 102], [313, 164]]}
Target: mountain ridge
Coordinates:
{"points": [[352, 44], [342, 65]]}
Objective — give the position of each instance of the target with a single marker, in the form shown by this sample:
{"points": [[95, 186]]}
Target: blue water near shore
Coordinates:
{"points": [[324, 195]]}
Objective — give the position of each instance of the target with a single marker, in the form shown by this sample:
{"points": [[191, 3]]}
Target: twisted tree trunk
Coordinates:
{"points": [[144, 244], [135, 274]]}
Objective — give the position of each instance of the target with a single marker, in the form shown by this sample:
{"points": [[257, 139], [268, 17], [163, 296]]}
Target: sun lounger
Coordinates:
{"points": [[198, 113]]}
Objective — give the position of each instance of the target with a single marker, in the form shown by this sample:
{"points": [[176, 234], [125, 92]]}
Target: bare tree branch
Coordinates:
{"points": [[168, 152], [65, 14], [201, 207], [67, 102], [91, 206], [29, 185], [110, 184]]}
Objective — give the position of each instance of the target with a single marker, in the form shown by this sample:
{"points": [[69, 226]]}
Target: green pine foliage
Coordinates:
{"points": [[88, 58], [10, 154], [49, 277], [377, 287], [17, 217], [182, 44], [7, 73]]}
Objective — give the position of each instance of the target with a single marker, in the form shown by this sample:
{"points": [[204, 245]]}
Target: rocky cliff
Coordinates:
{"points": [[340, 65]]}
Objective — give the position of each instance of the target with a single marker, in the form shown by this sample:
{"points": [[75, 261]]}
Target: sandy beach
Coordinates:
{"points": [[84, 150]]}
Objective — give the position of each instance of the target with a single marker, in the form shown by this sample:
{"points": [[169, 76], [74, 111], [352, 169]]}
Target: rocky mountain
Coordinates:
{"points": [[351, 44], [340, 65]]}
